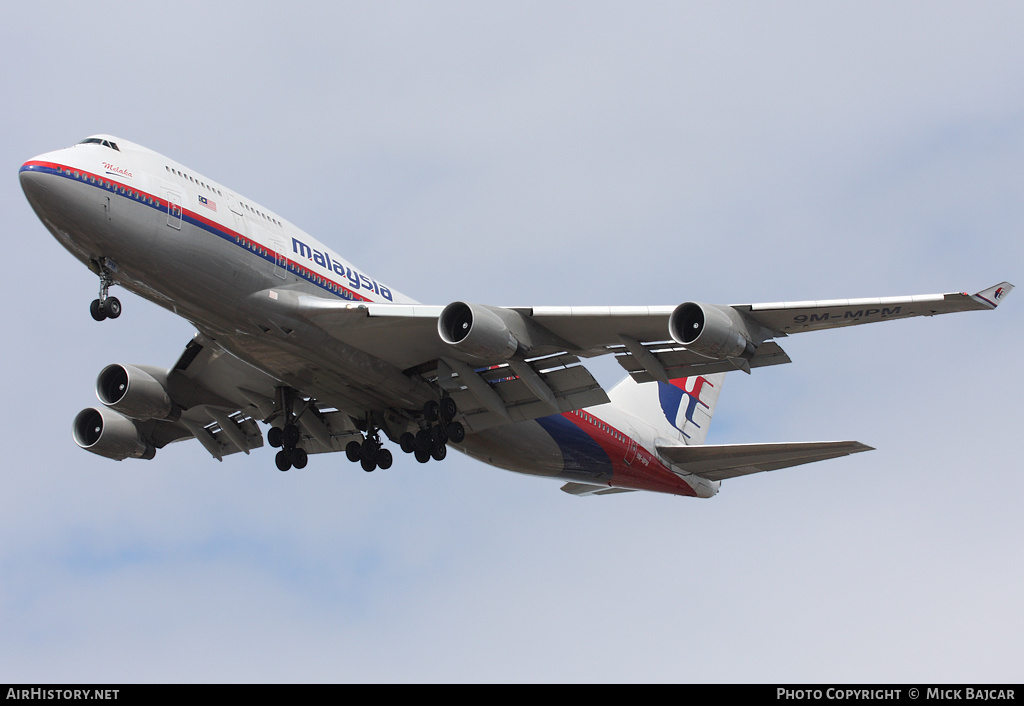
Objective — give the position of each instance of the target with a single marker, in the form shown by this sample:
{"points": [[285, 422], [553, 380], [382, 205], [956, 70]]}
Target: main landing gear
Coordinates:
{"points": [[287, 438], [431, 441], [370, 454], [104, 307], [436, 429]]}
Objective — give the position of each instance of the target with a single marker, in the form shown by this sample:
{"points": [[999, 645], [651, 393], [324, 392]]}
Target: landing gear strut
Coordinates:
{"points": [[104, 307]]}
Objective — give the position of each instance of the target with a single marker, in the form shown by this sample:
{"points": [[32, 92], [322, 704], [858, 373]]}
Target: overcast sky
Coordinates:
{"points": [[542, 153]]}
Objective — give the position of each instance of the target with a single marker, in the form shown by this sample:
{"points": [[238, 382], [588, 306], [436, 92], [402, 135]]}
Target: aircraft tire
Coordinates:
{"points": [[430, 411], [408, 442], [456, 433], [439, 452], [352, 451], [299, 458], [368, 464], [368, 449], [384, 459], [112, 307], [423, 440], [422, 456], [274, 437], [448, 408], [290, 436], [283, 460], [96, 309]]}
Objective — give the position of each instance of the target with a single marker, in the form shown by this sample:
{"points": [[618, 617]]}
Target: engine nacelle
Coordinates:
{"points": [[135, 392], [712, 331], [477, 331], [110, 434]]}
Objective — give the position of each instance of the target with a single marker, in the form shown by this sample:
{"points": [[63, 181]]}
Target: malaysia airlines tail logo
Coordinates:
{"points": [[671, 397], [999, 294]]}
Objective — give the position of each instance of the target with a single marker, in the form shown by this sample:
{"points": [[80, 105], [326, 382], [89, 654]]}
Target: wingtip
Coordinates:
{"points": [[994, 295]]}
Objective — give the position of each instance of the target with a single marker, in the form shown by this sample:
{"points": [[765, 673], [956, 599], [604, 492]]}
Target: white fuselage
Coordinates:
{"points": [[195, 247]]}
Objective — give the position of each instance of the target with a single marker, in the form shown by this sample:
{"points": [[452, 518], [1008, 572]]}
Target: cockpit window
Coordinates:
{"points": [[98, 141]]}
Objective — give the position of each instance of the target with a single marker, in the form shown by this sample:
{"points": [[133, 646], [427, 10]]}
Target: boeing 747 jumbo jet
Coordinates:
{"points": [[292, 335]]}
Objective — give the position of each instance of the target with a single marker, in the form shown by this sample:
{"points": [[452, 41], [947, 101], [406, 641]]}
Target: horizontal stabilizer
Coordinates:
{"points": [[732, 460]]}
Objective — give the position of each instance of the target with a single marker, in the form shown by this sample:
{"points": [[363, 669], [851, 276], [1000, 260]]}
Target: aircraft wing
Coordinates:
{"points": [[217, 400], [650, 342], [499, 364], [146, 407], [795, 317], [489, 390], [732, 460]]}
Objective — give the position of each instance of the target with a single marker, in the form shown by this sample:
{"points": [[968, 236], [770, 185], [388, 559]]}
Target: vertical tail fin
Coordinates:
{"points": [[680, 410]]}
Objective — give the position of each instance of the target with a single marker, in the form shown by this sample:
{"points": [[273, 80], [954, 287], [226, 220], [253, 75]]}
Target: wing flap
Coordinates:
{"points": [[226, 434], [719, 462], [519, 390], [672, 361]]}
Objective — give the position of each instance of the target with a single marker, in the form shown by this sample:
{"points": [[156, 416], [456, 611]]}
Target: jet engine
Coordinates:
{"points": [[110, 434], [136, 392], [477, 331], [712, 331]]}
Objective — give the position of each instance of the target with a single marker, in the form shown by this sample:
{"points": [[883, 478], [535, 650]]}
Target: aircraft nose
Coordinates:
{"points": [[38, 181], [32, 183]]}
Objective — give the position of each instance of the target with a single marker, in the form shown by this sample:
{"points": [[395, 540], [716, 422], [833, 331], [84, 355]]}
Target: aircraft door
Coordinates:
{"points": [[173, 209], [236, 213], [280, 261], [630, 451]]}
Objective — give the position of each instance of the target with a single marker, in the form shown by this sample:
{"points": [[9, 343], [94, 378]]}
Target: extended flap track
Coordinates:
{"points": [[517, 390], [667, 360]]}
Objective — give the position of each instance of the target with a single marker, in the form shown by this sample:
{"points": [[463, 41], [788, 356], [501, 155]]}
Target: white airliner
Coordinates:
{"points": [[292, 335]]}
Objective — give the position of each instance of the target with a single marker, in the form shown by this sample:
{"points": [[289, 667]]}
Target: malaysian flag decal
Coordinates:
{"points": [[212, 205]]}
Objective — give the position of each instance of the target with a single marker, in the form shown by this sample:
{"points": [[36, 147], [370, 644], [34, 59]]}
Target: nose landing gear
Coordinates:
{"points": [[104, 307]]}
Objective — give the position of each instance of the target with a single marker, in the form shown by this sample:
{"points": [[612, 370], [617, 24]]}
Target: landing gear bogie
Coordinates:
{"points": [[286, 436]]}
